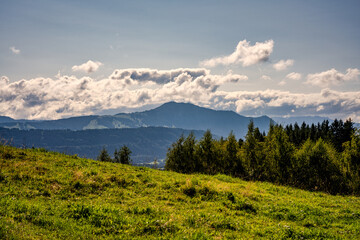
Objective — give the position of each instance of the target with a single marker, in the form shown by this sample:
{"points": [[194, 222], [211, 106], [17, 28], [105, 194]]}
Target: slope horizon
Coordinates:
{"points": [[161, 105]]}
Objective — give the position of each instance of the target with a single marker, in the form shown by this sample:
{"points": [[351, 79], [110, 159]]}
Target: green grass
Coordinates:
{"points": [[45, 195]]}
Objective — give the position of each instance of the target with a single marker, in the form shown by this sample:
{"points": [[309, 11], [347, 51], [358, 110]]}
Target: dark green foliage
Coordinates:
{"points": [[233, 163], [181, 157], [322, 157], [351, 161], [317, 168], [207, 154], [252, 150], [123, 155], [278, 156], [104, 156]]}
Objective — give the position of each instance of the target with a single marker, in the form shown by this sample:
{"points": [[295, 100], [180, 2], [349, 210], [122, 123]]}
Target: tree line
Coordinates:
{"points": [[120, 156], [322, 157]]}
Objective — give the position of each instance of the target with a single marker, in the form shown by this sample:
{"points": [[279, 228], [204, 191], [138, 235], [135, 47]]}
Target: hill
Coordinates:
{"points": [[299, 120], [189, 116], [45, 195], [173, 115], [146, 143]]}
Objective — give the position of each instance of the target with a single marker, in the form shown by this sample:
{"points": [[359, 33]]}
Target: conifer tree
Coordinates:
{"points": [[207, 153], [104, 156], [123, 155]]}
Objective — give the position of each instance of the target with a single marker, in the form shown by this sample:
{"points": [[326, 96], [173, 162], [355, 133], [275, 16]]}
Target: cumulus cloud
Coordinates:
{"points": [[47, 98], [282, 83], [294, 76], [14, 50], [64, 96], [283, 64], [265, 77], [4, 80], [133, 75], [244, 54], [332, 77], [275, 102], [87, 67]]}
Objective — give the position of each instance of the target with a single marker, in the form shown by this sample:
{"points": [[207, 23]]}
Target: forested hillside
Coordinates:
{"points": [[323, 157], [146, 144]]}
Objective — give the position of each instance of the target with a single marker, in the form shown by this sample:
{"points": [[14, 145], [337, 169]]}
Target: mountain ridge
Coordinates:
{"points": [[171, 114]]}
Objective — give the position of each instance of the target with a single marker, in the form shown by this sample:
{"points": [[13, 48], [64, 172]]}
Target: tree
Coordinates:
{"points": [[207, 154], [181, 156], [253, 153], [348, 130], [123, 155], [279, 156], [174, 156], [351, 161], [318, 168], [104, 156], [190, 161], [233, 164], [337, 128]]}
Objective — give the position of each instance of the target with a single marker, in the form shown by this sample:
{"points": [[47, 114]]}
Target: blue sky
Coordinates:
{"points": [[315, 45]]}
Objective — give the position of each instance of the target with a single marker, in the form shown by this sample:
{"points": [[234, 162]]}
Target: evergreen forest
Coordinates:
{"points": [[323, 157]]}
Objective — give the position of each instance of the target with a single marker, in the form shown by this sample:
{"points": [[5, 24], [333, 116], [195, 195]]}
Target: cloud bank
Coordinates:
{"points": [[283, 64], [332, 77], [244, 54], [87, 67], [47, 98]]}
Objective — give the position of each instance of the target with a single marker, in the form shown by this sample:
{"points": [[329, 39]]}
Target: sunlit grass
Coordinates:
{"points": [[45, 195]]}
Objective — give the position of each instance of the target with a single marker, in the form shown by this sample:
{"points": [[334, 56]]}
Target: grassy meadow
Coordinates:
{"points": [[47, 195]]}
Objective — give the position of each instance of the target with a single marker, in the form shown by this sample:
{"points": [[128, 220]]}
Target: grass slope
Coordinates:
{"points": [[45, 195]]}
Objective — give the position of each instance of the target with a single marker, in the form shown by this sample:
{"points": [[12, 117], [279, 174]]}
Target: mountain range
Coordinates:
{"points": [[172, 115], [148, 134]]}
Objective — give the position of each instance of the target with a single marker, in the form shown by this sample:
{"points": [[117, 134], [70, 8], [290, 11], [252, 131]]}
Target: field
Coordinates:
{"points": [[46, 195]]}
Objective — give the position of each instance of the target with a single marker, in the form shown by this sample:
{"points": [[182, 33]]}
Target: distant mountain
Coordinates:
{"points": [[172, 114], [4, 119], [146, 143], [300, 119], [189, 116]]}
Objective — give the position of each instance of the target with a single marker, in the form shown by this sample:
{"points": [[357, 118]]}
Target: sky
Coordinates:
{"points": [[278, 58]]}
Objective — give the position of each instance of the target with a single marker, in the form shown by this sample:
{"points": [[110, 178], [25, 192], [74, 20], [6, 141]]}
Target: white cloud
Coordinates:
{"points": [[283, 64], [332, 77], [87, 67], [275, 102], [265, 77], [132, 75], [4, 80], [244, 53], [14, 50], [46, 98], [320, 108], [64, 96], [294, 76], [282, 83]]}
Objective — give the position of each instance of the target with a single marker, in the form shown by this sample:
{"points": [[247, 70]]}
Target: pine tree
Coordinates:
{"points": [[174, 156], [233, 164], [207, 154], [104, 156], [123, 155], [253, 153], [279, 156]]}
